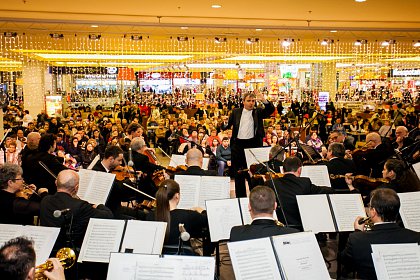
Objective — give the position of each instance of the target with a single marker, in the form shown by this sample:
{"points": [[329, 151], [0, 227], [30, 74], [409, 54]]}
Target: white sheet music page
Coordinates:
{"points": [[177, 160], [254, 259], [409, 210], [189, 190], [102, 237], [8, 232], [144, 237], [396, 261], [100, 187], [44, 239], [206, 161], [315, 213], [300, 256], [153, 267], [261, 154], [85, 177], [318, 174], [222, 215], [213, 187], [346, 208], [416, 167]]}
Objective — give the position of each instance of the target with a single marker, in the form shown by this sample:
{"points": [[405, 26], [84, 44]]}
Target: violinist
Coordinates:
{"points": [[403, 141], [113, 158], [15, 209], [338, 165], [370, 162], [141, 163]]}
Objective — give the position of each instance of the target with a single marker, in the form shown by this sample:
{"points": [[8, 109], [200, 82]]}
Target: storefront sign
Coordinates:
{"points": [[405, 72], [52, 104], [323, 99]]}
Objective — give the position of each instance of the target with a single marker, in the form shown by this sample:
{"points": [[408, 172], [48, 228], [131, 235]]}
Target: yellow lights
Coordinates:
{"points": [[10, 63], [225, 66], [184, 27], [401, 59], [288, 58], [63, 56], [360, 1], [94, 26], [258, 29], [416, 44], [333, 31], [216, 6]]}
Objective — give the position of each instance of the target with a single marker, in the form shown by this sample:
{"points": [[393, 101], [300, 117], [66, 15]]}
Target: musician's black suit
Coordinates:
{"points": [[357, 254], [82, 211], [196, 170], [238, 145], [142, 163], [288, 187], [340, 166], [258, 229]]}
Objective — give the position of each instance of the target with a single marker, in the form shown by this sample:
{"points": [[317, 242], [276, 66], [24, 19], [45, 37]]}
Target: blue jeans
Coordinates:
{"points": [[222, 165]]}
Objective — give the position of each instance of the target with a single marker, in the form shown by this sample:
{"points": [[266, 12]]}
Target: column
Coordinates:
{"points": [[329, 79], [34, 87]]}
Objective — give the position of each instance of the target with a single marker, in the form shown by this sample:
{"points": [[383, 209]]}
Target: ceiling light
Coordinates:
{"points": [[94, 26], [360, 1], [182, 38], [225, 66], [258, 29], [136, 37], [216, 6], [220, 39], [327, 42], [285, 58], [287, 42], [360, 42], [416, 44], [386, 43], [333, 31], [94, 36], [10, 34], [252, 40], [184, 27], [76, 56], [56, 36]]}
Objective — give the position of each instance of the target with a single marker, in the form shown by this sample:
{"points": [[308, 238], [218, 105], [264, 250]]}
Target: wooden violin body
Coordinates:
{"points": [[123, 172], [363, 183]]}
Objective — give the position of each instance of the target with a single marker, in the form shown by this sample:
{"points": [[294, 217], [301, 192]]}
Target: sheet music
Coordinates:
{"points": [[189, 190], [144, 237], [206, 161], [254, 259], [409, 210], [149, 267], [44, 238], [396, 261], [315, 213], [318, 174], [416, 167], [102, 237], [300, 256], [177, 160], [260, 153], [222, 215], [346, 208], [213, 187], [94, 186]]}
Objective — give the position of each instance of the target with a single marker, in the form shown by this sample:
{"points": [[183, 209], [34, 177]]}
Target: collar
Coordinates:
{"points": [[107, 170], [263, 218]]}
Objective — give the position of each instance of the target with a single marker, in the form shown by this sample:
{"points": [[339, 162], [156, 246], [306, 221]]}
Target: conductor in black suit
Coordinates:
{"points": [[291, 185], [338, 165], [194, 161], [383, 210], [262, 203], [247, 132]]}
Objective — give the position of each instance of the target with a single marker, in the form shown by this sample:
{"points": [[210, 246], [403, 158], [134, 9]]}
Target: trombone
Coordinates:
{"points": [[67, 258]]}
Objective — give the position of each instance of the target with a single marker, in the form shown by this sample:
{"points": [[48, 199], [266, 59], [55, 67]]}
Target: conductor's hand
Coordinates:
{"points": [[57, 273], [260, 97], [356, 224]]}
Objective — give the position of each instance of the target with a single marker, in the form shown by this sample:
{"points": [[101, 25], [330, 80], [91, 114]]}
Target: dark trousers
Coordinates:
{"points": [[239, 163]]}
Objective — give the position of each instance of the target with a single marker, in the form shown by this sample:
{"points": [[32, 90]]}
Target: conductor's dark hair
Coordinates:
{"points": [[291, 164]]}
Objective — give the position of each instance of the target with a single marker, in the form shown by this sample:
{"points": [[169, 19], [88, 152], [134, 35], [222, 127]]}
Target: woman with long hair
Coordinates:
{"points": [[194, 221], [401, 178]]}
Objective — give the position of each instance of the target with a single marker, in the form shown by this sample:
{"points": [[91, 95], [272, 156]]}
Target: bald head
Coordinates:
{"points": [[68, 181], [373, 139], [33, 140], [401, 131], [194, 157]]}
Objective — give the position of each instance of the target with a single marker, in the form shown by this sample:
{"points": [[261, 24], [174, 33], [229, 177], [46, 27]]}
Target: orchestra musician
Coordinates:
{"points": [[262, 204], [141, 163], [403, 141], [247, 132], [113, 157], [81, 211], [17, 261], [370, 162], [194, 161], [291, 185], [15, 209], [383, 211], [194, 220], [338, 165]]}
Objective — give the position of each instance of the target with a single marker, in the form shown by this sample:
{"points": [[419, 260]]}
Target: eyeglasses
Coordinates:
{"points": [[18, 179]]}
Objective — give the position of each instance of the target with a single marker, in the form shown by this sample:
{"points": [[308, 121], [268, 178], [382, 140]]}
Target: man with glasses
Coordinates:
{"points": [[15, 209], [383, 210]]}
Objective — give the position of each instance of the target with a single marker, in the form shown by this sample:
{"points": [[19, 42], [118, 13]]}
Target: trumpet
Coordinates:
{"points": [[368, 224], [67, 258]]}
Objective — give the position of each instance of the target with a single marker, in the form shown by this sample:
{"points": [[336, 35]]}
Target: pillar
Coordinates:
{"points": [[329, 79], [34, 87]]}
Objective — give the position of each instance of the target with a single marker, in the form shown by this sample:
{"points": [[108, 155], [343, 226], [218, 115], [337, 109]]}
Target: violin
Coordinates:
{"points": [[26, 192], [151, 155], [363, 182], [147, 205], [123, 172], [158, 177], [172, 170]]}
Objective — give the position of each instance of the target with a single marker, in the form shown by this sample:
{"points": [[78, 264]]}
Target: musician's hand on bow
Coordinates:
{"points": [[42, 190], [349, 181]]}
